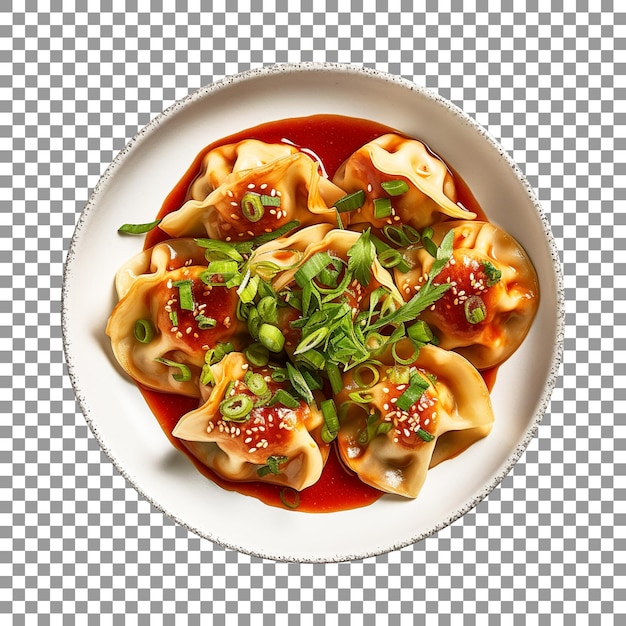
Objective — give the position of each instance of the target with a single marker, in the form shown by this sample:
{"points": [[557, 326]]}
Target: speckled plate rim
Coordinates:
{"points": [[259, 73]]}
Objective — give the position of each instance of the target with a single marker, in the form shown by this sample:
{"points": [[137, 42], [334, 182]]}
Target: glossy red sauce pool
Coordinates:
{"points": [[332, 139]]}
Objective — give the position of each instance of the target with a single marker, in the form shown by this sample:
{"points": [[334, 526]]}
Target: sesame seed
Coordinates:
{"points": [[251, 450], [248, 440], [369, 188], [179, 335], [263, 186], [273, 192], [189, 329], [233, 203], [251, 185], [230, 193]]}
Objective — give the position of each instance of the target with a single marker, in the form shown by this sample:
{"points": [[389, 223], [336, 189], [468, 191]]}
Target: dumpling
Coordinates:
{"points": [[167, 317], [221, 162], [259, 201], [242, 437], [421, 191], [488, 311], [411, 418]]}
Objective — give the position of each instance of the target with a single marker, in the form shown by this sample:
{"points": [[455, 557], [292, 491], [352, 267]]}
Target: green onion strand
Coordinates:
{"points": [[382, 208], [236, 408], [138, 229], [350, 202], [252, 206], [395, 187], [271, 337], [184, 373], [144, 331]]}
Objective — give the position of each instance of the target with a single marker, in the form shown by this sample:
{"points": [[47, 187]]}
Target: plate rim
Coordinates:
{"points": [[338, 68]]}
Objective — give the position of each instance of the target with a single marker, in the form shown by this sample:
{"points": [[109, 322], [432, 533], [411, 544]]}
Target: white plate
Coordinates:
{"points": [[133, 189]]}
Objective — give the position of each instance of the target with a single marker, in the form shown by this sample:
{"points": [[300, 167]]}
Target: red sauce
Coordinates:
{"points": [[332, 138]]}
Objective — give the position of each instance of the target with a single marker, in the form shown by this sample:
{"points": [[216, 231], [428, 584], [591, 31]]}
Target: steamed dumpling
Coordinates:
{"points": [[392, 448], [430, 195], [270, 443], [259, 201], [488, 311], [166, 311]]}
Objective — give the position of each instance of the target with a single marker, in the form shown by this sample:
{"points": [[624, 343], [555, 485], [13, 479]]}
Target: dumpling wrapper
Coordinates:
{"points": [[147, 291], [455, 411], [432, 193], [305, 196], [511, 303], [236, 450]]}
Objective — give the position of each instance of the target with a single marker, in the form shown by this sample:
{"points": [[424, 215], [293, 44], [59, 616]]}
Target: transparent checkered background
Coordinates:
{"points": [[79, 79]]}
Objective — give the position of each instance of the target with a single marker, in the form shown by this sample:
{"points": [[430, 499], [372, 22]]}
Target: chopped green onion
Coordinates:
{"points": [[417, 386], [475, 310], [290, 497], [138, 229], [312, 379], [254, 324], [144, 332], [206, 375], [382, 208], [372, 378], [381, 246], [410, 233], [340, 225], [285, 398], [383, 428], [395, 235], [223, 267], [271, 337], [430, 246], [424, 434], [236, 408], [183, 376], [173, 318], [257, 354], [351, 202], [428, 232], [271, 465], [331, 421], [334, 377], [420, 331], [405, 360], [299, 384], [204, 322], [270, 200], [185, 294], [248, 289], [395, 187], [362, 396], [215, 355], [311, 341], [252, 207], [267, 308], [390, 258], [219, 250], [256, 383], [279, 375], [312, 358], [311, 268]]}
